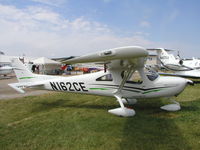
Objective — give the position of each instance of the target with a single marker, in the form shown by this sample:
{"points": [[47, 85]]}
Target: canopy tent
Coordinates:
{"points": [[47, 66], [44, 61]]}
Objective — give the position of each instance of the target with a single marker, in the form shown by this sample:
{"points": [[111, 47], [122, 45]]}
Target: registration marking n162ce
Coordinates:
{"points": [[68, 86]]}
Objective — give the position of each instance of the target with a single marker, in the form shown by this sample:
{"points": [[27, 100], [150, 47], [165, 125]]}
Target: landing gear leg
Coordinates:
{"points": [[122, 111], [129, 101]]}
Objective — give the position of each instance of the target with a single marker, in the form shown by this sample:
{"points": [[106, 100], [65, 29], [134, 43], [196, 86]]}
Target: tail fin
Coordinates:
{"points": [[22, 72], [26, 78], [164, 57]]}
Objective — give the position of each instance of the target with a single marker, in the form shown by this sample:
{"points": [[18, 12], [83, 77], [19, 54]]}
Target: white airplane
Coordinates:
{"points": [[5, 67], [114, 81], [184, 68], [5, 70]]}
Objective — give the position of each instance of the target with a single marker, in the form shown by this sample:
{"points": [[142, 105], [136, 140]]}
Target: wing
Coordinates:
{"points": [[115, 58], [191, 76]]}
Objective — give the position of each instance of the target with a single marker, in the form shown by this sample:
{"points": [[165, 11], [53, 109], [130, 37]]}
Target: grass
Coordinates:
{"points": [[64, 121]]}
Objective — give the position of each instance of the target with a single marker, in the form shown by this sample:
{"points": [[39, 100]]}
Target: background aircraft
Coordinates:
{"points": [[125, 79], [180, 67], [5, 65], [5, 70]]}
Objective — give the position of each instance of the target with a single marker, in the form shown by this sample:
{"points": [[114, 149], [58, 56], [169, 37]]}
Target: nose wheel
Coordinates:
{"points": [[175, 106]]}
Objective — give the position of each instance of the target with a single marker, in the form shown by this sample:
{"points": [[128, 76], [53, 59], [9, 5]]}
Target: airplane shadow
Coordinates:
{"points": [[151, 128], [196, 82], [61, 103]]}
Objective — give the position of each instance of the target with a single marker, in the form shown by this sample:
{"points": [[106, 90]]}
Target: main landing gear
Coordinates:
{"points": [[122, 111]]}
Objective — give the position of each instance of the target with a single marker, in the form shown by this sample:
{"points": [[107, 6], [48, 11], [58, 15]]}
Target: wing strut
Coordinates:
{"points": [[125, 78], [123, 111]]}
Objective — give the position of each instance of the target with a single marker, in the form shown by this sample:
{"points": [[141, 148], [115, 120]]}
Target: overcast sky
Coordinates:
{"points": [[59, 28]]}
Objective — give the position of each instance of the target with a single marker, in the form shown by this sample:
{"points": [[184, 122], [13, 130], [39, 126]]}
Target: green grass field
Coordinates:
{"points": [[63, 121]]}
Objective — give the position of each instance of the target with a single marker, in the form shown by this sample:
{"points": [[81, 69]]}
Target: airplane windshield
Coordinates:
{"points": [[152, 75]]}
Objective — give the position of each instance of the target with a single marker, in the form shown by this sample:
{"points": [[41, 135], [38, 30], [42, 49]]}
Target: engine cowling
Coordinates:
{"points": [[181, 62]]}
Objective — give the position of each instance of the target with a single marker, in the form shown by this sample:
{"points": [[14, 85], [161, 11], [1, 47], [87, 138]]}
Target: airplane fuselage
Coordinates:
{"points": [[88, 84]]}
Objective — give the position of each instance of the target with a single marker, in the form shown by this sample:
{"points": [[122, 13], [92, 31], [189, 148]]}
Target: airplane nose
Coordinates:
{"points": [[189, 82], [184, 82]]}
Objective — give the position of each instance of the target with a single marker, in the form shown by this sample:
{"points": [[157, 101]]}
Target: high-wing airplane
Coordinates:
{"points": [[5, 70], [181, 67], [117, 80]]}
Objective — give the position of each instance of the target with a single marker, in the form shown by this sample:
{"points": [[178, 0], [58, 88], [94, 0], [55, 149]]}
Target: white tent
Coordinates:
{"points": [[44, 61], [47, 66]]}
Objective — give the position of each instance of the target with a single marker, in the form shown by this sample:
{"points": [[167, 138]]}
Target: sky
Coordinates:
{"points": [[62, 28]]}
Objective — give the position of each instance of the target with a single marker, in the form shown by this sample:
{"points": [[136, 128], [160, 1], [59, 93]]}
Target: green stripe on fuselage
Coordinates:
{"points": [[26, 77], [151, 91]]}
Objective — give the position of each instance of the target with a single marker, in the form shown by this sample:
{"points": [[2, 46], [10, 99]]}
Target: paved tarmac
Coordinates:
{"points": [[7, 92]]}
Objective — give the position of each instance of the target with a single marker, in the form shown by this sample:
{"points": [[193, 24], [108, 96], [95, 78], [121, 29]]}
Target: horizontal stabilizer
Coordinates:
{"points": [[20, 86], [17, 87]]}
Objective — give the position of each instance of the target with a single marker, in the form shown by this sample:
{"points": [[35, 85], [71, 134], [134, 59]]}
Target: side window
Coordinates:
{"points": [[135, 78], [107, 77]]}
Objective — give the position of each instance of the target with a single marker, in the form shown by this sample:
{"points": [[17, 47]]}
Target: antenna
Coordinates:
{"points": [[178, 54]]}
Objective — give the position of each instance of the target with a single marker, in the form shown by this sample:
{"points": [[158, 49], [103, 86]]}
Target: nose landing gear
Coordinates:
{"points": [[175, 106]]}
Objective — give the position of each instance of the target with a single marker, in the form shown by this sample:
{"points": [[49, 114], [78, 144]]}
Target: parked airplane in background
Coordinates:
{"points": [[181, 67], [5, 70], [5, 65], [117, 80]]}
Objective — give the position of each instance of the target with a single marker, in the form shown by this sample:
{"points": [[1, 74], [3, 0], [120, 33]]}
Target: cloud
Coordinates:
{"points": [[51, 2], [39, 31], [145, 24]]}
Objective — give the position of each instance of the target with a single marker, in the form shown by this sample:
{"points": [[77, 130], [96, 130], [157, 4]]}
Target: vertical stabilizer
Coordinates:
{"points": [[21, 71], [164, 57]]}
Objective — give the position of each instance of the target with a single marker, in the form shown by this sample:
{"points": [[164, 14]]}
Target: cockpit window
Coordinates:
{"points": [[152, 75], [107, 77]]}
